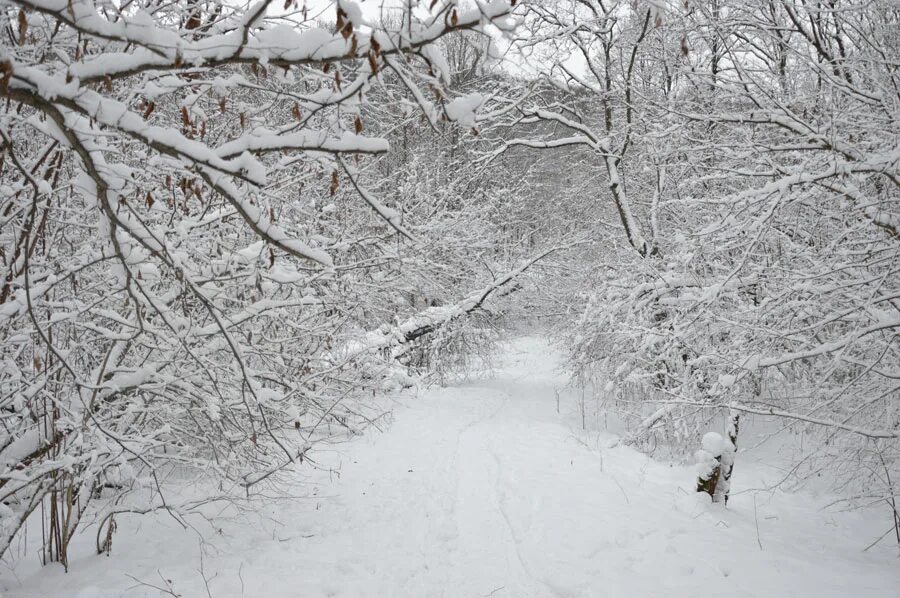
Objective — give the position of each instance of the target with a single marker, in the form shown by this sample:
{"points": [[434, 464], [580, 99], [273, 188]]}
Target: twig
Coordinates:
{"points": [[756, 519]]}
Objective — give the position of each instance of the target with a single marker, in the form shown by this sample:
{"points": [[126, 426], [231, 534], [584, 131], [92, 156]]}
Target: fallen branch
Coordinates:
{"points": [[431, 319]]}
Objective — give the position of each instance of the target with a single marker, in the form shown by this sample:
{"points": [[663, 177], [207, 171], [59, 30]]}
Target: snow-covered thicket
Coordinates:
{"points": [[749, 151], [193, 248]]}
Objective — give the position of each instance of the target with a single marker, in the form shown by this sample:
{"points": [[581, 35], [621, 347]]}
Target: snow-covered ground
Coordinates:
{"points": [[484, 489]]}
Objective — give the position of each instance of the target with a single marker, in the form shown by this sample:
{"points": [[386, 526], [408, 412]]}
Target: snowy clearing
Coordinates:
{"points": [[483, 489]]}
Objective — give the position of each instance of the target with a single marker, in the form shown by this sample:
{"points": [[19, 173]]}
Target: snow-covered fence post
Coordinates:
{"points": [[709, 459], [716, 461], [727, 460]]}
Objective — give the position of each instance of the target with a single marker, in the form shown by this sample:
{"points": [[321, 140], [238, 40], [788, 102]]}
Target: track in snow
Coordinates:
{"points": [[484, 489]]}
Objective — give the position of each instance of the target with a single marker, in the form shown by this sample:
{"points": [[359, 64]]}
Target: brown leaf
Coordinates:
{"points": [[149, 200], [454, 18], [23, 26], [6, 71], [151, 106], [295, 112], [357, 125], [335, 182], [344, 24]]}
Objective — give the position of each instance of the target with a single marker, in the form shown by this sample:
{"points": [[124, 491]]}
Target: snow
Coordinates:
{"points": [[463, 110], [713, 443], [727, 380], [353, 11], [483, 488], [16, 450]]}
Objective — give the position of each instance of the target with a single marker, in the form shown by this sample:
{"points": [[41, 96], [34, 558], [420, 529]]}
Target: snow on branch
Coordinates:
{"points": [[426, 322]]}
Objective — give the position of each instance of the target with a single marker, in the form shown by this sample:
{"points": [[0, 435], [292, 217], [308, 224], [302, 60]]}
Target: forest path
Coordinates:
{"points": [[485, 489]]}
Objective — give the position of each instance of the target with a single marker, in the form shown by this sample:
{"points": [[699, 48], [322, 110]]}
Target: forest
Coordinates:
{"points": [[234, 234]]}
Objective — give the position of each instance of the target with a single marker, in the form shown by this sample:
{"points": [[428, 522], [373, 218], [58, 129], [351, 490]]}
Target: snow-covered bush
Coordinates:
{"points": [[748, 152], [189, 242]]}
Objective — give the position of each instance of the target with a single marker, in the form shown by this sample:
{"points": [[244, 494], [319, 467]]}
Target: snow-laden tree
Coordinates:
{"points": [[750, 153], [192, 255]]}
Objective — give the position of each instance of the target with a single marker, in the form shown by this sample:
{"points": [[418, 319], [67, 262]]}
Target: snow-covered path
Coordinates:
{"points": [[484, 489]]}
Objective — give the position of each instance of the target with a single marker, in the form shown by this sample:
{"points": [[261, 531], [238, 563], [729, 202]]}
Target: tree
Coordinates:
{"points": [[184, 264], [757, 146]]}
